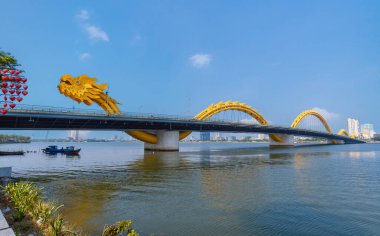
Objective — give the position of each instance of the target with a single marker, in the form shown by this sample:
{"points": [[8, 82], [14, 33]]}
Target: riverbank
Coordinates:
{"points": [[27, 213], [5, 227], [24, 211], [8, 139]]}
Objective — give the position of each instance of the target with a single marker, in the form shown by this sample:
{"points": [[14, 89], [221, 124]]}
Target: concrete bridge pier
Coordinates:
{"points": [[288, 141], [167, 141]]}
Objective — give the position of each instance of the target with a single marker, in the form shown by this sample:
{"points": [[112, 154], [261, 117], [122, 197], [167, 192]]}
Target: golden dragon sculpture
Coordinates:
{"points": [[85, 89]]}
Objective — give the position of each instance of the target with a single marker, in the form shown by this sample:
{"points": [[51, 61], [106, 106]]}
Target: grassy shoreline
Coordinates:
{"points": [[27, 212]]}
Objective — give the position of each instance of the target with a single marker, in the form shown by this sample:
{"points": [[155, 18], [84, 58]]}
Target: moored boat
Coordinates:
{"points": [[8, 153], [68, 150]]}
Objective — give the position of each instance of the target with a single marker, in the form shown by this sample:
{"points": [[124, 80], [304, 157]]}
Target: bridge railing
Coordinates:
{"points": [[91, 112], [33, 109], [24, 108]]}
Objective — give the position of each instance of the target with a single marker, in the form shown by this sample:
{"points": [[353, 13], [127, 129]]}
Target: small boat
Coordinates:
{"points": [[68, 150], [8, 153]]}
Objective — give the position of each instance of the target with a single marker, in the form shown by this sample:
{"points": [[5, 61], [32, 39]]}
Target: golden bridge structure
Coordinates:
{"points": [[156, 131]]}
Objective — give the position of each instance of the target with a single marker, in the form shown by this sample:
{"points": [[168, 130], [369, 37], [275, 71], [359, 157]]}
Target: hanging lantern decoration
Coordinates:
{"points": [[13, 87]]}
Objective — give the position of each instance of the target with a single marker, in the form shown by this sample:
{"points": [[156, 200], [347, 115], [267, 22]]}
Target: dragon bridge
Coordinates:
{"points": [[85, 89]]}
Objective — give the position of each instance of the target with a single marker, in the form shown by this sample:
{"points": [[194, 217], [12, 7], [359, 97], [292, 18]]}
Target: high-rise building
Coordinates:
{"points": [[368, 131], [353, 127], [205, 136], [74, 135]]}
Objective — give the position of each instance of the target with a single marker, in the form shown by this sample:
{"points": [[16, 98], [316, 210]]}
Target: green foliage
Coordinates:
{"points": [[7, 60], [24, 196], [27, 200], [120, 228], [43, 212], [56, 226]]}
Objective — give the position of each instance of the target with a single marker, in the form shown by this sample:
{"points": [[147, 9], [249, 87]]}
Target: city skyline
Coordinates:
{"points": [[279, 58]]}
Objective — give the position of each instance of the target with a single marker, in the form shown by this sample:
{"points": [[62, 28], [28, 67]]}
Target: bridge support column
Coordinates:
{"points": [[167, 141], [287, 141]]}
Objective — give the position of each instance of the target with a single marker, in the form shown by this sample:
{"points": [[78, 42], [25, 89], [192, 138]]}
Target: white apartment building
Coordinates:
{"points": [[353, 127]]}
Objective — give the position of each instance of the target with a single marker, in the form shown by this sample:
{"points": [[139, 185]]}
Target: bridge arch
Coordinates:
{"points": [[214, 109], [207, 113], [343, 132], [306, 113]]}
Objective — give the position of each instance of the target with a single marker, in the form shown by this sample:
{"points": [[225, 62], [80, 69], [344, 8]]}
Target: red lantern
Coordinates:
{"points": [[5, 84], [25, 87], [10, 78], [12, 91], [4, 112], [5, 71], [5, 105], [18, 86], [19, 99], [12, 105], [17, 79], [5, 98], [18, 92], [12, 98], [11, 85], [4, 90], [12, 71], [4, 77], [25, 93], [24, 80], [18, 72]]}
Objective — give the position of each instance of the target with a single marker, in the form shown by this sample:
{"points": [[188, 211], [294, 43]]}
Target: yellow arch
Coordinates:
{"points": [[213, 109], [343, 132], [306, 113]]}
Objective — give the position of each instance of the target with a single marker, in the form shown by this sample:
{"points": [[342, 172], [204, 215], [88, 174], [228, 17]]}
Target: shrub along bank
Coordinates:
{"points": [[31, 214]]}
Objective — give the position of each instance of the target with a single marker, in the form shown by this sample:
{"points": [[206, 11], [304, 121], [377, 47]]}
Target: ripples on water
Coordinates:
{"points": [[213, 189]]}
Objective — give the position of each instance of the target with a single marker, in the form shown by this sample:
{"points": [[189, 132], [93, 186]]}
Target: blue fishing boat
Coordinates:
{"points": [[55, 150]]}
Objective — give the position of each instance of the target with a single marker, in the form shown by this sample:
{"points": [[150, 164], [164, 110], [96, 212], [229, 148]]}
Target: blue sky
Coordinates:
{"points": [[177, 57]]}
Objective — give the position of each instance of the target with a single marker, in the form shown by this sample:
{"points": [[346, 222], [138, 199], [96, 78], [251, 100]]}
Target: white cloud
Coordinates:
{"points": [[96, 33], [326, 114], [85, 56], [249, 121], [200, 60], [83, 15]]}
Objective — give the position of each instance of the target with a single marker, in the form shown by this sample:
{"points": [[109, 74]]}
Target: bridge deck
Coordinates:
{"points": [[23, 119]]}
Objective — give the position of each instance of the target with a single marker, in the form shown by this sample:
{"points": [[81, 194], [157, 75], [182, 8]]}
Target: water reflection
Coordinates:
{"points": [[61, 155], [214, 189]]}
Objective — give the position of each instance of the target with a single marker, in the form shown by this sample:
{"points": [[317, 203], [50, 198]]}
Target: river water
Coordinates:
{"points": [[212, 188]]}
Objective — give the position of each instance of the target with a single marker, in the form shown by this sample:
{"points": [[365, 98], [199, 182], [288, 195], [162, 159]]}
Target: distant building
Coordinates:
{"points": [[261, 136], [247, 138], [74, 135], [353, 127], [376, 137], [368, 131], [205, 136], [232, 138]]}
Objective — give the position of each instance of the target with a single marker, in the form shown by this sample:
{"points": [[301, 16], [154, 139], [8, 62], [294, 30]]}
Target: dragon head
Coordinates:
{"points": [[85, 89]]}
